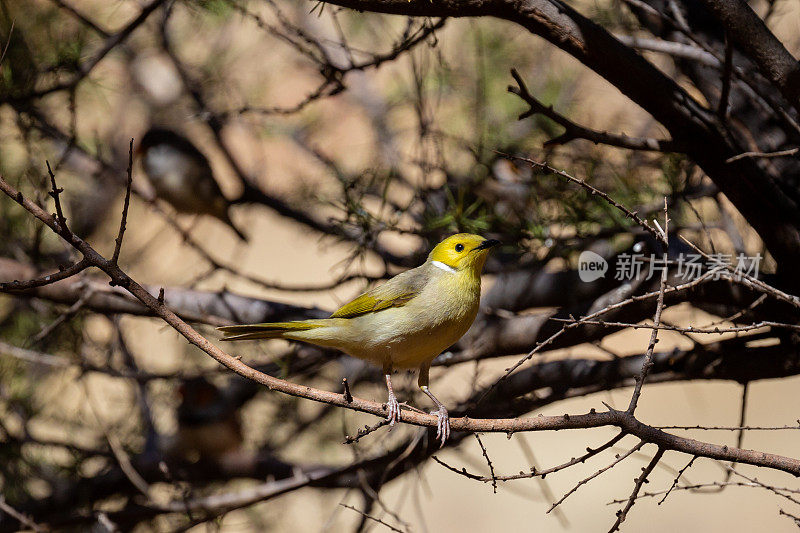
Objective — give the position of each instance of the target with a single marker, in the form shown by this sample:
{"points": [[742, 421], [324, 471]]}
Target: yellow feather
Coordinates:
{"points": [[405, 322]]}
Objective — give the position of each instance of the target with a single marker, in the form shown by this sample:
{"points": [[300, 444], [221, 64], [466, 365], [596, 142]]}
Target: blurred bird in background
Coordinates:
{"points": [[210, 436], [18, 69], [181, 175], [404, 323], [208, 423]]}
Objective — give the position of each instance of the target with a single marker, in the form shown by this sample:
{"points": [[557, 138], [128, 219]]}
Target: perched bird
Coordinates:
{"points": [[182, 176], [404, 323]]}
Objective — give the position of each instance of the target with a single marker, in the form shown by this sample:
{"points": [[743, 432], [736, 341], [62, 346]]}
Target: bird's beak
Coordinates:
{"points": [[488, 243]]}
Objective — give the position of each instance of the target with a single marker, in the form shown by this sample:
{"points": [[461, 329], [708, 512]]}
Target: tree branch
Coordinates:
{"points": [[757, 42], [623, 420], [575, 131]]}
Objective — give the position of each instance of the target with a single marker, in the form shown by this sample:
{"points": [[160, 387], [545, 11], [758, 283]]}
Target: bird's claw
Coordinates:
{"points": [[393, 407], [442, 425]]}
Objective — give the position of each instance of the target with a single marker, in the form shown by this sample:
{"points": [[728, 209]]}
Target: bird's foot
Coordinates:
{"points": [[394, 411], [442, 425]]}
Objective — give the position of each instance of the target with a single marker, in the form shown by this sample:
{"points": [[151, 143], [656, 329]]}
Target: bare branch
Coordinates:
{"points": [[677, 479], [761, 45], [19, 516], [586, 480], [67, 272], [594, 192], [373, 518], [575, 131], [764, 155], [621, 515], [534, 472], [85, 68], [623, 420], [648, 357], [727, 73], [124, 218], [671, 48], [489, 462]]}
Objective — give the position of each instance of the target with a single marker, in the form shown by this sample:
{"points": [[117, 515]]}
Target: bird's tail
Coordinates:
{"points": [[268, 330]]}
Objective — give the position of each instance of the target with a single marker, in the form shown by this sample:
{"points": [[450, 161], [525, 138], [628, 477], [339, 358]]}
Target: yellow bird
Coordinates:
{"points": [[404, 323]]}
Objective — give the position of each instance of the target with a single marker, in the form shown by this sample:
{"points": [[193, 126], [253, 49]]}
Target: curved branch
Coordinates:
{"points": [[624, 420], [573, 131]]}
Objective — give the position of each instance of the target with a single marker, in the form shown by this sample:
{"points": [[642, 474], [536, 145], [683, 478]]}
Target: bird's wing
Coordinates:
{"points": [[396, 292]]}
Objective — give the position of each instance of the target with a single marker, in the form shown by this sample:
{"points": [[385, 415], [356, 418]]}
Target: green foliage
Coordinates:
{"points": [[217, 9]]}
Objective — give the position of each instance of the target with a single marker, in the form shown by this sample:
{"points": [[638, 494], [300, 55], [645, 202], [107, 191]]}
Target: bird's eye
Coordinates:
{"points": [[459, 247]]}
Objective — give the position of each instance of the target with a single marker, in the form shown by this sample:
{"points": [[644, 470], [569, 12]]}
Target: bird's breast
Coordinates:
{"points": [[420, 330]]}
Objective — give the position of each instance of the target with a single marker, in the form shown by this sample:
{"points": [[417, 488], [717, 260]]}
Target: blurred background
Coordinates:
{"points": [[342, 145]]}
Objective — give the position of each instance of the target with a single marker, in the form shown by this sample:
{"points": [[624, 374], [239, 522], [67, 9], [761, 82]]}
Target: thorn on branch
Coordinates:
{"points": [[622, 514], [678, 478], [364, 432], [795, 518], [648, 358], [489, 461]]}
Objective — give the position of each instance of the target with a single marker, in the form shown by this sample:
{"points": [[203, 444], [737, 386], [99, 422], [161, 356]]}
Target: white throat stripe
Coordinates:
{"points": [[446, 268]]}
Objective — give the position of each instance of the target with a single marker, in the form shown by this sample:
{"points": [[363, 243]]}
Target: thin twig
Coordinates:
{"points": [[717, 486], [55, 193], [63, 317], [124, 218], [680, 329], [347, 396], [86, 67], [534, 472], [763, 155], [8, 41], [727, 72], [574, 131], [370, 517], [75, 268], [593, 191], [641, 480], [363, 432], [19, 516], [774, 490], [586, 480], [541, 345], [648, 356], [123, 459], [488, 461], [745, 277], [678, 478], [795, 518], [611, 417], [731, 428]]}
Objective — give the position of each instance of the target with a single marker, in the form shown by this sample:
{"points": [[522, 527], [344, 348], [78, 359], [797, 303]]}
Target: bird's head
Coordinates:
{"points": [[462, 251], [166, 138], [155, 137]]}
